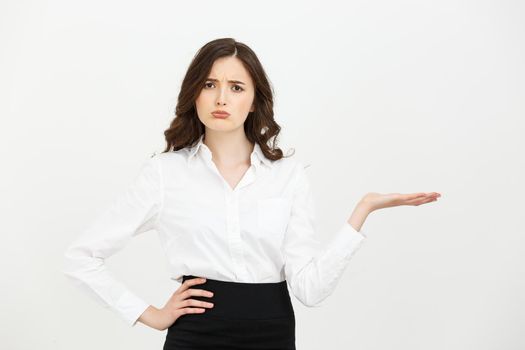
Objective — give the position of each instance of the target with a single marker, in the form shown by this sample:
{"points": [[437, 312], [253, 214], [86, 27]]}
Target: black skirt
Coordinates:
{"points": [[244, 316]]}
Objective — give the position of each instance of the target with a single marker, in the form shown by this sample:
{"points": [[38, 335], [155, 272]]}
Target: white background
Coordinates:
{"points": [[378, 96]]}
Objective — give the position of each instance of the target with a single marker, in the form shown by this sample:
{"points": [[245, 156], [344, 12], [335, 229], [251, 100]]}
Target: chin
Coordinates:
{"points": [[221, 125]]}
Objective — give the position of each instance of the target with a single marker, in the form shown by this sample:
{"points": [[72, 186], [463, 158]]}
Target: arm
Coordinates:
{"points": [[133, 212], [359, 215], [313, 272]]}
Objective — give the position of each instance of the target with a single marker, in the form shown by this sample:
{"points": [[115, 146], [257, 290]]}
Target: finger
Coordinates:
{"points": [[189, 283], [417, 196], [431, 200], [414, 196], [199, 292], [191, 310], [417, 201], [426, 201], [195, 292], [433, 195], [193, 302], [413, 199]]}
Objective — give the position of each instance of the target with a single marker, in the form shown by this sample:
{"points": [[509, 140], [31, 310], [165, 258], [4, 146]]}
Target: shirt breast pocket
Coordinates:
{"points": [[273, 215]]}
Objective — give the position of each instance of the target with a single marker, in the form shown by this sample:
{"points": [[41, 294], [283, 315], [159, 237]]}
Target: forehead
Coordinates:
{"points": [[229, 68]]}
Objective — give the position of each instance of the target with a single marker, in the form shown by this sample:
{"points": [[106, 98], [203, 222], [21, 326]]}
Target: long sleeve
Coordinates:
{"points": [[311, 270], [134, 211]]}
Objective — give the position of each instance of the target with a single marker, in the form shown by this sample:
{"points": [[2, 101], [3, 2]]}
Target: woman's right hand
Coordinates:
{"points": [[179, 304]]}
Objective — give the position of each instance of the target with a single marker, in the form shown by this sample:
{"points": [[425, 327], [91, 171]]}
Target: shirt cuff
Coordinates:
{"points": [[131, 307], [347, 240]]}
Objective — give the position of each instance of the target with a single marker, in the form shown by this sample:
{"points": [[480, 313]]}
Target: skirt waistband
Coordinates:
{"points": [[239, 300]]}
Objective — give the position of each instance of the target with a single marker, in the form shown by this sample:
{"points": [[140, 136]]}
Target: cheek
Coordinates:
{"points": [[202, 105], [246, 102], [202, 99]]}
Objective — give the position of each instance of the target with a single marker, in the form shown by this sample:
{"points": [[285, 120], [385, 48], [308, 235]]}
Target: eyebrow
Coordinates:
{"points": [[230, 81]]}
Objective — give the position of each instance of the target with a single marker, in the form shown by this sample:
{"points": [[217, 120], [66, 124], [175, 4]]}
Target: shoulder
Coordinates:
{"points": [[166, 162], [291, 163], [170, 157], [291, 168], [299, 173]]}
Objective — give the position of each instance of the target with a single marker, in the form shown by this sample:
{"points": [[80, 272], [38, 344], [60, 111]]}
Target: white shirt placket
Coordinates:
{"points": [[233, 228]]}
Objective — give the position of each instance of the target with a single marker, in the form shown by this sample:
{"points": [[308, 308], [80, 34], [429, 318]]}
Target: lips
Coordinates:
{"points": [[220, 114]]}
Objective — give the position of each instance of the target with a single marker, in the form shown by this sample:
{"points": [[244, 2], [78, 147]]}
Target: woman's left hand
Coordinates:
{"points": [[379, 200]]}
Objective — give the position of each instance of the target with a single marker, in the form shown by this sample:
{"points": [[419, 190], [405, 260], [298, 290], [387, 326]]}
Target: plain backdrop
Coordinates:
{"points": [[378, 96]]}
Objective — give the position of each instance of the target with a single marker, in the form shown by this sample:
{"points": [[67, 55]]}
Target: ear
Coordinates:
{"points": [[252, 108]]}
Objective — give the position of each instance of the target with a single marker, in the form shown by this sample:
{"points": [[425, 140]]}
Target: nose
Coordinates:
{"points": [[221, 99]]}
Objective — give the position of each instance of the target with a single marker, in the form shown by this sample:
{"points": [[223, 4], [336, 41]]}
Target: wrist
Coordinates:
{"points": [[359, 215], [149, 316], [365, 206]]}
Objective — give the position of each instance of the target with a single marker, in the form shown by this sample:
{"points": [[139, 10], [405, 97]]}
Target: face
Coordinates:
{"points": [[229, 88]]}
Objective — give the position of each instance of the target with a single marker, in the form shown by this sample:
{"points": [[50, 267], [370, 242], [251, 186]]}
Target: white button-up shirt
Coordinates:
{"points": [[263, 230]]}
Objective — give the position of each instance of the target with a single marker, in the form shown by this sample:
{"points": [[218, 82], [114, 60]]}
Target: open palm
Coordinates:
{"points": [[380, 200]]}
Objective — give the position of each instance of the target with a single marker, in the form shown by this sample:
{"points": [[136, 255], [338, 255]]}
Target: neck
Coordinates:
{"points": [[228, 148]]}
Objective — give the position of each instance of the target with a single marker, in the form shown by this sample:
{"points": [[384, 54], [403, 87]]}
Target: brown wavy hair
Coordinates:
{"points": [[260, 126]]}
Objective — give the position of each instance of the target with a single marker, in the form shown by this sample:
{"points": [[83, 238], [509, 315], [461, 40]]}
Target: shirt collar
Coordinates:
{"points": [[257, 156]]}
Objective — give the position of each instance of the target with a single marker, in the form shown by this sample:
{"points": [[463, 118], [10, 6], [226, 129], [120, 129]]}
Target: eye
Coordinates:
{"points": [[240, 88], [206, 85]]}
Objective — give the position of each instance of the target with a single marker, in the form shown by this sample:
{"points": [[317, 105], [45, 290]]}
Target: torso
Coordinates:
{"points": [[233, 175]]}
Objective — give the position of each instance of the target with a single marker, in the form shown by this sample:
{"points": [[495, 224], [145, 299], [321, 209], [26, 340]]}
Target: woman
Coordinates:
{"points": [[236, 218]]}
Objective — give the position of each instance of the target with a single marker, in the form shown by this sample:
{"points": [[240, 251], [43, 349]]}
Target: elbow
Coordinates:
{"points": [[75, 262], [69, 262], [308, 296], [311, 301]]}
